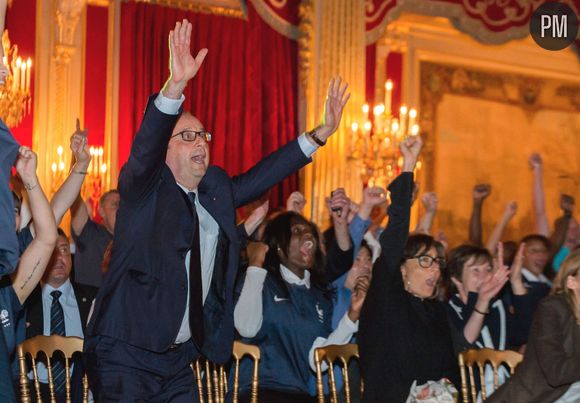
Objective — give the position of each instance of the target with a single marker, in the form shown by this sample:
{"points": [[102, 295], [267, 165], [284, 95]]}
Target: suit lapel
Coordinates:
{"points": [[216, 203], [83, 304]]}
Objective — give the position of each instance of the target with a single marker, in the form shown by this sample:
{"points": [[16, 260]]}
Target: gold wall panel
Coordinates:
{"points": [[480, 127]]}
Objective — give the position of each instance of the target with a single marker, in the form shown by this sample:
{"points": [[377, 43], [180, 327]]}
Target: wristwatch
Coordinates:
{"points": [[312, 135]]}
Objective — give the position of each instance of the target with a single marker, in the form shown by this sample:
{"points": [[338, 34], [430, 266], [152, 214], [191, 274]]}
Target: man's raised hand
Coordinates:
{"points": [[183, 66], [336, 99], [79, 145]]}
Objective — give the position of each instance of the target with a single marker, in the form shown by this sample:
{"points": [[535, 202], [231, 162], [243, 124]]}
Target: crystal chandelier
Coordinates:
{"points": [[15, 92], [375, 144]]}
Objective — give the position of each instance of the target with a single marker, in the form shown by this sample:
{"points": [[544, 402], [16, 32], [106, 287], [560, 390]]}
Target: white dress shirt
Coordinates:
{"points": [[72, 318], [531, 277], [208, 227]]}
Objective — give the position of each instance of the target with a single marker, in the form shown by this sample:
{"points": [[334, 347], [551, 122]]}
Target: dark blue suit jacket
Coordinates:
{"points": [[143, 296], [8, 242]]}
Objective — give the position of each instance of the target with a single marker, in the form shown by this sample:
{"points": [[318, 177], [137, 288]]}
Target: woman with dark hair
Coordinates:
{"points": [[404, 333], [476, 311], [285, 305], [550, 370]]}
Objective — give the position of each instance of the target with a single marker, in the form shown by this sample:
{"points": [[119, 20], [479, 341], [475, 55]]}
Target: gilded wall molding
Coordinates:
{"points": [[279, 24], [240, 12], [458, 15], [528, 92]]}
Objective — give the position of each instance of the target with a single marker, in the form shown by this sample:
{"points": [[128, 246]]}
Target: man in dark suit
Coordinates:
{"points": [[168, 295], [59, 306]]}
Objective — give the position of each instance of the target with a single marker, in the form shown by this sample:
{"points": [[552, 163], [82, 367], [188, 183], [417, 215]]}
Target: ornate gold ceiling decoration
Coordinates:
{"points": [[233, 8]]}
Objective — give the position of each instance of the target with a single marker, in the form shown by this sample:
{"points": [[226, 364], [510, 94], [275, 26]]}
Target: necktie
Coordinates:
{"points": [[195, 289], [57, 327]]}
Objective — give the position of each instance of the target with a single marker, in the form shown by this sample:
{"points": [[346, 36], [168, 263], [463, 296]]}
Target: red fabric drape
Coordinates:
{"points": [[95, 74], [245, 92]]}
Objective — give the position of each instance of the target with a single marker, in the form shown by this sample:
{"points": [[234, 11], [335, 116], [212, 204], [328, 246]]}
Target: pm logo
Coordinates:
{"points": [[554, 26]]}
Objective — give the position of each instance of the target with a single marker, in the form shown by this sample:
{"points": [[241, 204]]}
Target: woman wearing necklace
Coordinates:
{"points": [[404, 332]]}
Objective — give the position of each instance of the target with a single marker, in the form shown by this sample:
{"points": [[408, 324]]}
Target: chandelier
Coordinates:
{"points": [[375, 144], [92, 188], [15, 92]]}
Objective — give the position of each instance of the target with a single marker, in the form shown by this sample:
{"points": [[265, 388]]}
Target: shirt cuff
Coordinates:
{"points": [[306, 145], [345, 329], [255, 274], [167, 105]]}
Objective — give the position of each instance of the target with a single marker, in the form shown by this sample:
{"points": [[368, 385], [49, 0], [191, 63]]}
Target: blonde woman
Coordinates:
{"points": [[550, 371]]}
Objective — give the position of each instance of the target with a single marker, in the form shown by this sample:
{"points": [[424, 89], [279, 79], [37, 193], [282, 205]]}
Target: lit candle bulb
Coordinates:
{"points": [[59, 150], [395, 126], [412, 117], [388, 96], [53, 167], [61, 166], [403, 120], [16, 72], [103, 168], [23, 76], [368, 126], [378, 111], [365, 110], [415, 129], [354, 127], [28, 68]]}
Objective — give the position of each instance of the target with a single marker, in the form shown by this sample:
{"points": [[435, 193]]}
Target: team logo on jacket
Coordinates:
{"points": [[4, 318], [320, 313]]}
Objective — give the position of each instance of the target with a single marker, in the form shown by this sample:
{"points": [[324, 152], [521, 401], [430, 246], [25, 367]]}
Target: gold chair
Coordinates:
{"points": [[330, 354], [48, 345], [480, 357], [212, 381]]}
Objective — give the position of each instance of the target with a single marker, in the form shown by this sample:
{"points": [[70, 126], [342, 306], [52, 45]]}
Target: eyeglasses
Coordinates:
{"points": [[426, 261], [192, 135]]}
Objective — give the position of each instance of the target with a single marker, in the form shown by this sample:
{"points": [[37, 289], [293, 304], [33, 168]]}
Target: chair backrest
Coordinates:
{"points": [[47, 346], [480, 357], [330, 355], [211, 379]]}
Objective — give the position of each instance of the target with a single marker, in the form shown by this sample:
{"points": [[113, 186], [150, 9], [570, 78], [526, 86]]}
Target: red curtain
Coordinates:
{"points": [[245, 93]]}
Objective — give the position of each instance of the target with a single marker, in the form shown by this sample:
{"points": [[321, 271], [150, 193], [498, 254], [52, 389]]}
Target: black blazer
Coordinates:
{"points": [[84, 294], [143, 296]]}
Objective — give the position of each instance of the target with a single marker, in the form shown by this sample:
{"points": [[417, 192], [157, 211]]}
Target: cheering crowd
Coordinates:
{"points": [[169, 275]]}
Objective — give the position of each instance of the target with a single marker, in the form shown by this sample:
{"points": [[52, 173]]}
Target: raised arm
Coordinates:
{"points": [[291, 157], [510, 210], [478, 303], [149, 148], [68, 192], [248, 315], [562, 224], [480, 193], [425, 223], [394, 237], [339, 206], [339, 254], [36, 256], [295, 202], [541, 218]]}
